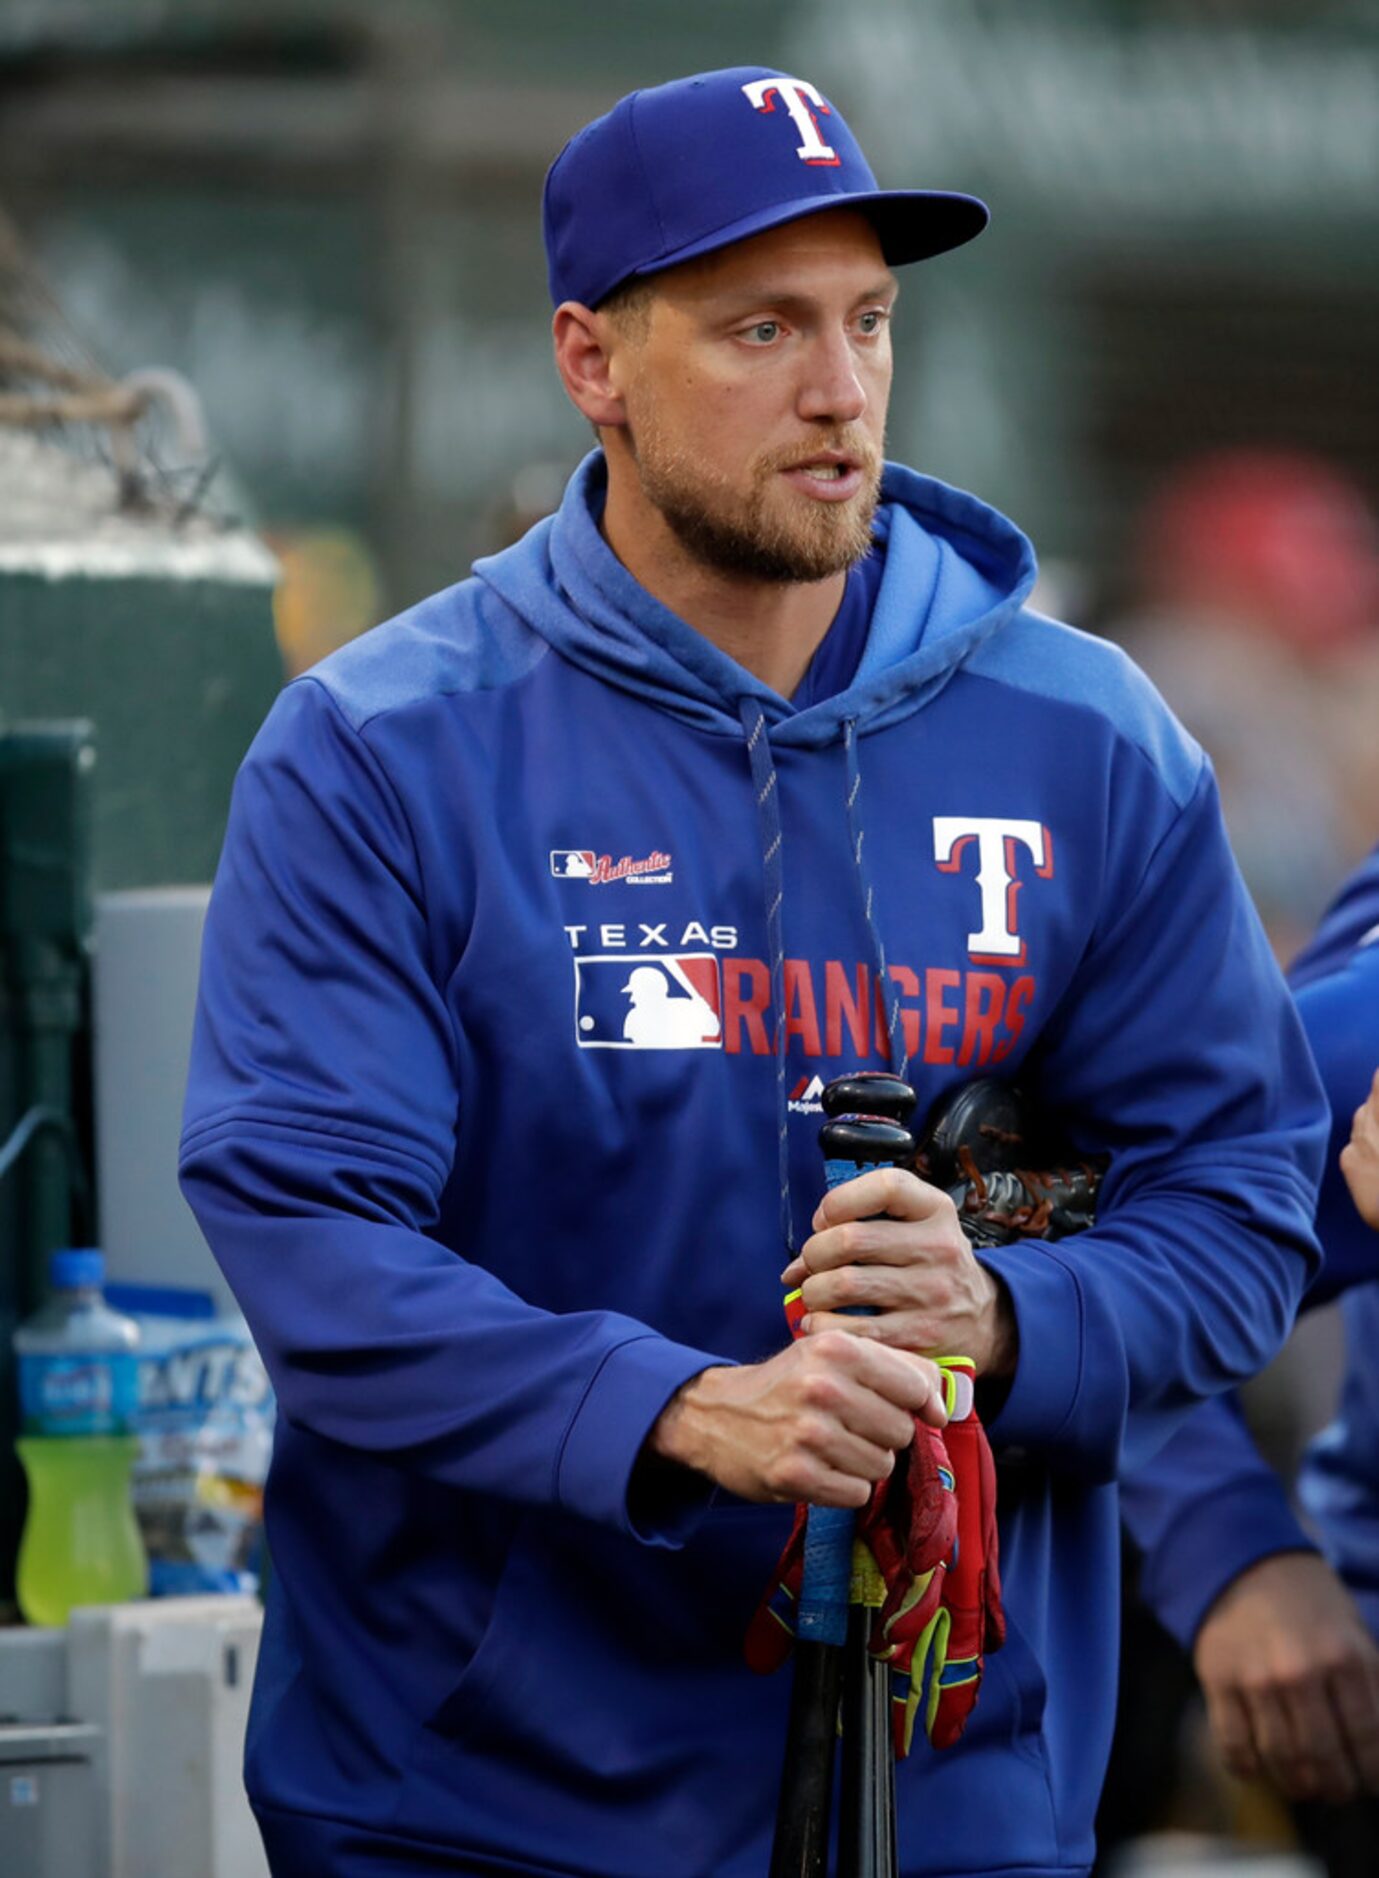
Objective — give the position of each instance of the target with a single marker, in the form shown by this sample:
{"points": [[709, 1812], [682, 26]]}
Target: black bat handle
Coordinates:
{"points": [[866, 1799], [867, 1840], [850, 1142], [800, 1847]]}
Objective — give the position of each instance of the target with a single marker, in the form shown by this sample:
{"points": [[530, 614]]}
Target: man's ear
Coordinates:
{"points": [[584, 343]]}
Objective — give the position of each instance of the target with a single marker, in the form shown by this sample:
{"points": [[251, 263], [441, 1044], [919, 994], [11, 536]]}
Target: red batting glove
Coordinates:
{"points": [[970, 1620], [771, 1633], [909, 1526]]}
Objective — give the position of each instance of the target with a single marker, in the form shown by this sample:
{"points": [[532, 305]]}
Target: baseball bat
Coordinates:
{"points": [[867, 1834], [800, 1847]]}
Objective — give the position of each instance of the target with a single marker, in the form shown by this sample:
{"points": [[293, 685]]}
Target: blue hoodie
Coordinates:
{"points": [[1208, 1506], [1339, 1481], [538, 922]]}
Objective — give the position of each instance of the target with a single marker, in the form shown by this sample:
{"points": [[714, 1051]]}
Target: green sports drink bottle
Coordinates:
{"points": [[81, 1542], [78, 1383]]}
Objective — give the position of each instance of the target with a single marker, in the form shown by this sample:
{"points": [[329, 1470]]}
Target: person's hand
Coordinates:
{"points": [[822, 1422], [1291, 1677], [909, 1529], [913, 1268], [1360, 1157]]}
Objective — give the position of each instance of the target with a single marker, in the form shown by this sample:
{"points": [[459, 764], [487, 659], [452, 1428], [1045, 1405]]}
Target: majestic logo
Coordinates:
{"points": [[997, 940], [601, 869], [796, 94], [807, 1097], [672, 1003]]}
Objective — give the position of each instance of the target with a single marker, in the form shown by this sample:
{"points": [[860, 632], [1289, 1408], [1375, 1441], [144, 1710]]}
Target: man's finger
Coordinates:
{"points": [[910, 1382], [877, 1287], [838, 1450], [1319, 1764], [840, 1490], [884, 1241], [897, 1330], [1355, 1695], [863, 1415], [1230, 1723], [1300, 1743], [936, 1239], [891, 1190], [1273, 1738]]}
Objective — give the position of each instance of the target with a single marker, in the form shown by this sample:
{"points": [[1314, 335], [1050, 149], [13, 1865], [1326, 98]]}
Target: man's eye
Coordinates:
{"points": [[764, 332], [872, 322]]}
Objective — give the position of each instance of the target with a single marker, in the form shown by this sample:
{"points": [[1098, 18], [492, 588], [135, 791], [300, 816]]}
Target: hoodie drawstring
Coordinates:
{"points": [[773, 878], [766, 786], [895, 1029]]}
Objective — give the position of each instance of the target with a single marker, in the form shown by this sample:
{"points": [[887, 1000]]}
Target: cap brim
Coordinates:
{"points": [[913, 224]]}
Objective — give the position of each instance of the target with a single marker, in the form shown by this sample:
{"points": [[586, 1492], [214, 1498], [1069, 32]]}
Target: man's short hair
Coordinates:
{"points": [[629, 306]]}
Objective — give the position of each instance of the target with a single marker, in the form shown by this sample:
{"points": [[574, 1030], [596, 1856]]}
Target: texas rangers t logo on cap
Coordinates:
{"points": [[796, 94], [679, 170]]}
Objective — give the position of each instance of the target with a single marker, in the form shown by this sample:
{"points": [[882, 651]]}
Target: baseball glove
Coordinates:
{"points": [[1007, 1176]]}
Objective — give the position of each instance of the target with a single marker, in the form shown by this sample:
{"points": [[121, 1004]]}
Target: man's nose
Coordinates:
{"points": [[832, 387]]}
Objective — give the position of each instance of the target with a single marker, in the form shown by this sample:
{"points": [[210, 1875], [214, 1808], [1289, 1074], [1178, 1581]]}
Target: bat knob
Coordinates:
{"points": [[867, 1140], [869, 1092]]}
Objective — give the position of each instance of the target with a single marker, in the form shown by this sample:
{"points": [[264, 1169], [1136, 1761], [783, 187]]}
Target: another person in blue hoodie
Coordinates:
{"points": [[1284, 1638], [515, 1272]]}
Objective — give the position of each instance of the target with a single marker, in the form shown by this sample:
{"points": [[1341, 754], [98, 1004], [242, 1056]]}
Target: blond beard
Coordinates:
{"points": [[735, 534]]}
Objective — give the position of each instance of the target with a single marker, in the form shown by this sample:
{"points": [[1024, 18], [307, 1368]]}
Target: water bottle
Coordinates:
{"points": [[78, 1392]]}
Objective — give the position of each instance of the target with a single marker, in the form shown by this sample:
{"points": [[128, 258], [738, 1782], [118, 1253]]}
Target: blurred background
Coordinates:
{"points": [[274, 363]]}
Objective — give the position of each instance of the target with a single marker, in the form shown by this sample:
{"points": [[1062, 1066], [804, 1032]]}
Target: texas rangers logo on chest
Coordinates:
{"points": [[998, 855]]}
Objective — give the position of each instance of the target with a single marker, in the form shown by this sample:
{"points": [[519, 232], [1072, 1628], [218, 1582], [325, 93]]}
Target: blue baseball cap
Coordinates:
{"points": [[684, 168]]}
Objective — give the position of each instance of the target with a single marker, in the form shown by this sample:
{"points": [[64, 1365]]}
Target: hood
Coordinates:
{"points": [[956, 571]]}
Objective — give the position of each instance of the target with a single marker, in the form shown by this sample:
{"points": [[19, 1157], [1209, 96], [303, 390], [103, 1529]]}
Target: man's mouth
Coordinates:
{"points": [[831, 474]]}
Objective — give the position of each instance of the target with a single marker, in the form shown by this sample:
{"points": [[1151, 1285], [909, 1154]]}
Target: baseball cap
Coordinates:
{"points": [[681, 169]]}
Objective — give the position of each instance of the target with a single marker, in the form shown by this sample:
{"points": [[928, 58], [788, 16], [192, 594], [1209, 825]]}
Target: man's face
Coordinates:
{"points": [[756, 395]]}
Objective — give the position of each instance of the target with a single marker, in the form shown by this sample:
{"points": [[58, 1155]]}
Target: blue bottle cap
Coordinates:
{"points": [[77, 1267]]}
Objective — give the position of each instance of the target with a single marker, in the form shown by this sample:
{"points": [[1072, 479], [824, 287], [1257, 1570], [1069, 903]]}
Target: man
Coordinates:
{"points": [[517, 1277], [1285, 1640]]}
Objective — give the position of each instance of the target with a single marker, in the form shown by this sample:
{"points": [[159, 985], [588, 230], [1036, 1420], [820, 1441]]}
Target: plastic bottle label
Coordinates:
{"points": [[86, 1394]]}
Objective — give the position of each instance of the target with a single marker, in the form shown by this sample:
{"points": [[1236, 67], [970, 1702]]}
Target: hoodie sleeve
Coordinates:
{"points": [[1340, 1014], [1204, 1509], [319, 1135], [1208, 1506], [1339, 1483], [1177, 1052]]}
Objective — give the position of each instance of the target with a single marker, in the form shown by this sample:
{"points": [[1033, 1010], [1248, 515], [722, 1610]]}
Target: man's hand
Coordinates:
{"points": [[914, 1268], [1291, 1677], [822, 1421], [1360, 1157]]}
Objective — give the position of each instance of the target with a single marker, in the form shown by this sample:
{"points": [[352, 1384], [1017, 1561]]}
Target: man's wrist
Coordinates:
{"points": [[679, 1434], [1003, 1353], [1247, 1582]]}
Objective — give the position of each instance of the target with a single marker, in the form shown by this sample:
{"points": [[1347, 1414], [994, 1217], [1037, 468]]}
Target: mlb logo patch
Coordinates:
{"points": [[572, 863], [670, 1002]]}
